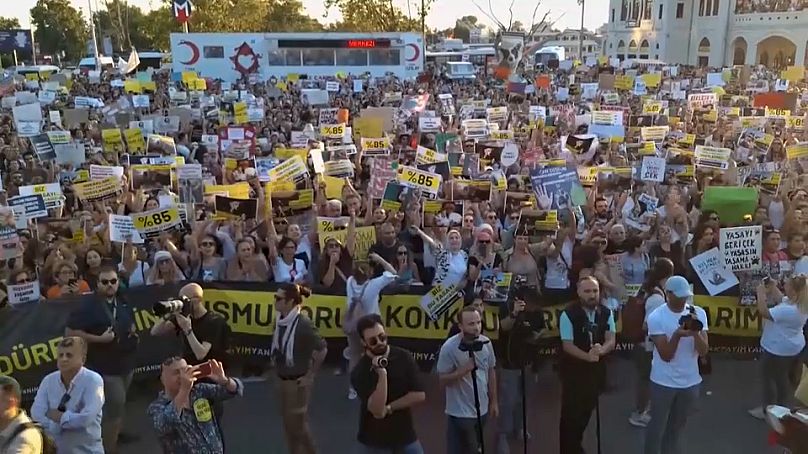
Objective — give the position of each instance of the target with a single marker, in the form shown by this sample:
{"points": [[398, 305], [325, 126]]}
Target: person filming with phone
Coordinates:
{"points": [[386, 380], [182, 414], [678, 330], [205, 334]]}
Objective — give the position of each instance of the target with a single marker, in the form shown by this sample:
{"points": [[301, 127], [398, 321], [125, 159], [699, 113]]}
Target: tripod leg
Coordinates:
{"points": [[524, 409]]}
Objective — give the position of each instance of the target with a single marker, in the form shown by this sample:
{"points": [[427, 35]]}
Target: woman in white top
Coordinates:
{"points": [[285, 267], [783, 339], [451, 261]]}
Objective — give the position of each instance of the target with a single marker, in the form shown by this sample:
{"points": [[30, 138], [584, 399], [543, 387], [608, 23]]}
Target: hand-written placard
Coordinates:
{"points": [[653, 169], [742, 247], [713, 272]]}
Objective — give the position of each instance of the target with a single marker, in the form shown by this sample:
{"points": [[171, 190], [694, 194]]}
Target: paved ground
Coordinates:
{"points": [[252, 424]]}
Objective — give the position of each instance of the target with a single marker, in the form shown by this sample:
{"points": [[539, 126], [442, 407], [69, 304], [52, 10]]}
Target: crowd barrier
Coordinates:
{"points": [[28, 335]]}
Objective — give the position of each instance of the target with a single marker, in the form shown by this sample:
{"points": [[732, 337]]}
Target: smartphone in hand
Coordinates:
{"points": [[204, 369]]}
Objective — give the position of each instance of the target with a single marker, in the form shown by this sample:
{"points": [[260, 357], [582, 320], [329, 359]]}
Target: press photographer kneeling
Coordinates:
{"points": [[205, 335]]}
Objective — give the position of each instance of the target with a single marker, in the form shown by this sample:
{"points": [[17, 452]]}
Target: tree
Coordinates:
{"points": [[7, 23], [154, 33], [288, 16], [511, 26], [377, 16], [463, 26], [59, 28]]}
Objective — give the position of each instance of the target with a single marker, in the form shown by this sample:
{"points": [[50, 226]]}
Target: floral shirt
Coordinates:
{"points": [[194, 430]]}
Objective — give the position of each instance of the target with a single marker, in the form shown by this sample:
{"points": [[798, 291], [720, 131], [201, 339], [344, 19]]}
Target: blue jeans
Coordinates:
{"points": [[670, 408], [461, 435], [412, 448], [509, 384]]}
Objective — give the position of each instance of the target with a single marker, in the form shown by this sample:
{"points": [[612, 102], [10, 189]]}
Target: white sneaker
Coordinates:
{"points": [[351, 394], [757, 413], [638, 419]]}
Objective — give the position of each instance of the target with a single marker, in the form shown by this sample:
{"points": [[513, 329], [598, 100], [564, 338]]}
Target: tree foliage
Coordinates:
{"points": [[378, 15], [9, 23], [59, 28], [463, 26]]}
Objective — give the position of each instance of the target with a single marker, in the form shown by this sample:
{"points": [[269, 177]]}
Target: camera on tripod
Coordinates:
{"points": [[689, 321], [182, 305]]}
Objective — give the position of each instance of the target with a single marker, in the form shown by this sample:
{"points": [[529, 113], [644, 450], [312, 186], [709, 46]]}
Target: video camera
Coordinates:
{"points": [[182, 305]]}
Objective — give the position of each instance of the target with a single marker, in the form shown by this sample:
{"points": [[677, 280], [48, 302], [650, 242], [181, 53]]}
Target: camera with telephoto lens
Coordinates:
{"points": [[690, 322], [181, 305]]}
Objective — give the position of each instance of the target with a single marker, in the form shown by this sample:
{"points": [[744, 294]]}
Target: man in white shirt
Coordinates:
{"points": [[678, 330], [458, 369], [69, 401]]}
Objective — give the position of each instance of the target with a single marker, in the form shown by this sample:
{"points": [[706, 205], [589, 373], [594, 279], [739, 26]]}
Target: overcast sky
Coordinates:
{"points": [[442, 15]]}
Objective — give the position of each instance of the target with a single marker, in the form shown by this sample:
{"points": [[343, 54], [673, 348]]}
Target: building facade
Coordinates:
{"points": [[569, 39], [709, 32]]}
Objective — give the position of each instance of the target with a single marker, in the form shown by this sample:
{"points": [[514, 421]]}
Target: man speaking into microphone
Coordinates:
{"points": [[587, 334]]}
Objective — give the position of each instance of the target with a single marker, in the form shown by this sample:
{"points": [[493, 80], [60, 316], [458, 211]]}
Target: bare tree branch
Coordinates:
{"points": [[542, 24], [491, 10], [493, 18], [510, 11]]}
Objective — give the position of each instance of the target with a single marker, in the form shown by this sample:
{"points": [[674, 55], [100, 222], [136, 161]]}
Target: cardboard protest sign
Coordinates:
{"points": [[653, 169], [33, 205], [51, 192], [43, 147], [440, 299], [713, 272], [191, 185], [122, 229], [233, 208], [365, 238], [25, 293], [151, 223], [742, 247], [97, 190]]}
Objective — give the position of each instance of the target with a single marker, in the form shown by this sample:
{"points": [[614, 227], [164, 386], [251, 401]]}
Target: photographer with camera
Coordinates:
{"points": [[520, 327], [466, 368], [298, 352], [678, 330], [107, 324], [205, 334], [386, 380], [182, 414], [587, 335]]}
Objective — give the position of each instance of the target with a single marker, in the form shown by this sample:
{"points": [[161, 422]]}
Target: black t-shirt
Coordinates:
{"points": [[396, 430], [212, 328], [386, 252], [512, 349], [94, 317]]}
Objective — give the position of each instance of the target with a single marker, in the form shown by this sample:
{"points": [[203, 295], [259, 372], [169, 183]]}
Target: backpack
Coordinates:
{"points": [[633, 314], [48, 445]]}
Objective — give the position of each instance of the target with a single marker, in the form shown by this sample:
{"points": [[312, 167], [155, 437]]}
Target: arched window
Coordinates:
{"points": [[644, 46], [632, 46], [621, 45], [709, 8], [704, 46]]}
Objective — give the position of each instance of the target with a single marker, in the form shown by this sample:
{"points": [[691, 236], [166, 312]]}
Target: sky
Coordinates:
{"points": [[442, 15]]}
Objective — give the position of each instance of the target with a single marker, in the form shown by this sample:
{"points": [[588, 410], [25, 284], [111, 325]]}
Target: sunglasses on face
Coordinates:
{"points": [[207, 244], [108, 281], [402, 252], [376, 340], [484, 242], [24, 281]]}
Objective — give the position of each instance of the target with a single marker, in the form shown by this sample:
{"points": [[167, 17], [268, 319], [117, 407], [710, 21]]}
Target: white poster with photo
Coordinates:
{"points": [[742, 247], [122, 229], [653, 169], [103, 172], [713, 272]]}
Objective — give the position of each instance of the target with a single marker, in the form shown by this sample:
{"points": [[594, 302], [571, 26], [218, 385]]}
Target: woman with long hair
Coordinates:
{"points": [[653, 294], [783, 339], [246, 266], [286, 267]]}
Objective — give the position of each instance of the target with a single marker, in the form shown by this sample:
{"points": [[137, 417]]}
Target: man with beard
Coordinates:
{"points": [[107, 324], [587, 333], [463, 359], [386, 246], [386, 380]]}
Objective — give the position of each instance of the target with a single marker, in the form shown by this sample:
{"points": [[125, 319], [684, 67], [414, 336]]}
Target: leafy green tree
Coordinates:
{"points": [[463, 26], [377, 16], [7, 23], [59, 28]]}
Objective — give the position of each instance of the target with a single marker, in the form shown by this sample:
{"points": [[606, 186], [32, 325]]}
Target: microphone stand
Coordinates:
{"points": [[597, 396], [524, 407], [480, 439]]}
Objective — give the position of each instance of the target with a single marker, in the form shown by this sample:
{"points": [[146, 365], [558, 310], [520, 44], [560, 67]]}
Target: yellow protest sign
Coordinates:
{"points": [[648, 149], [333, 187], [332, 131], [652, 108], [97, 190], [652, 80], [188, 76], [797, 151], [365, 238], [377, 145], [777, 113], [148, 85], [623, 82], [240, 115], [132, 86], [793, 73], [293, 77], [112, 139], [281, 85], [795, 122], [414, 177], [198, 85], [135, 141], [711, 116], [286, 153], [236, 191], [368, 127]]}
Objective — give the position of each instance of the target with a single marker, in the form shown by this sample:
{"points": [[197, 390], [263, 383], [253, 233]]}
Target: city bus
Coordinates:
{"points": [[478, 56], [262, 56]]}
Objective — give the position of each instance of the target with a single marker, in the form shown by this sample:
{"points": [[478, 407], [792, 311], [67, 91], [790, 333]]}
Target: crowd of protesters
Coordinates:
{"points": [[610, 236]]}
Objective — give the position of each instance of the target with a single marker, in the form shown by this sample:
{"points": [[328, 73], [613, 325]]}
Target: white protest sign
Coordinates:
{"points": [[140, 101], [429, 123], [23, 293], [51, 192], [742, 247], [122, 229], [358, 86], [103, 172], [653, 169], [712, 157], [713, 272], [332, 86], [510, 154]]}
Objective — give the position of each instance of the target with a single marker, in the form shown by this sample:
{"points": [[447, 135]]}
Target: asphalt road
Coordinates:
{"points": [[253, 425]]}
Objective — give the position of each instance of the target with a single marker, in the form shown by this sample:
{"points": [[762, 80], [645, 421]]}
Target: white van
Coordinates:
{"points": [[460, 70], [89, 64]]}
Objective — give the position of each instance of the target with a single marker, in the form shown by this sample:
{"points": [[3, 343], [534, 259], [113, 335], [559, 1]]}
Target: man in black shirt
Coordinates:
{"points": [[386, 380], [107, 324], [205, 335]]}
